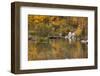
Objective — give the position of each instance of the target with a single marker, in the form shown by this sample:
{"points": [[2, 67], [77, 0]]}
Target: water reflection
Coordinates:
{"points": [[57, 49]]}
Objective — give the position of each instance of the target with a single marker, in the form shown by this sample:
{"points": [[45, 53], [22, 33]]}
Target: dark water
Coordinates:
{"points": [[57, 49]]}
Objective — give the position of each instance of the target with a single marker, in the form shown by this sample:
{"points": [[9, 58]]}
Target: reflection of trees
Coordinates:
{"points": [[56, 49], [84, 53], [76, 50]]}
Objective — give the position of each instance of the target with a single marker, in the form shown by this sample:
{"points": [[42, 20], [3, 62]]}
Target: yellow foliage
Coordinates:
{"points": [[36, 19], [78, 31]]}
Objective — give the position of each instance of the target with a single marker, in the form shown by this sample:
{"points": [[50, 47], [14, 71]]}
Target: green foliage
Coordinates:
{"points": [[42, 40]]}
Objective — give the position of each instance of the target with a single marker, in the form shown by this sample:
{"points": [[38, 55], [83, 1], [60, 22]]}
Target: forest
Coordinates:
{"points": [[42, 27]]}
